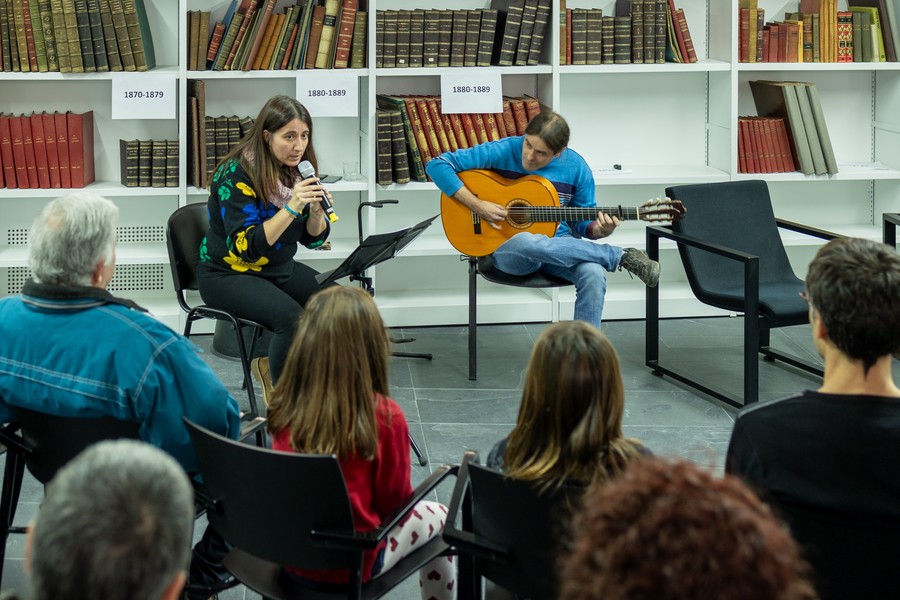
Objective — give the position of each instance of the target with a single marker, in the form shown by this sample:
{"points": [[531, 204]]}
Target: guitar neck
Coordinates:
{"points": [[572, 213]]}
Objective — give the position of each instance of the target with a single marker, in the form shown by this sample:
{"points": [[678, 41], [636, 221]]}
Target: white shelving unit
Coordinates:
{"points": [[665, 124]]}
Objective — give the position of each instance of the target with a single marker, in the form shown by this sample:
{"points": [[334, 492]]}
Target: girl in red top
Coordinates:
{"points": [[331, 398]]}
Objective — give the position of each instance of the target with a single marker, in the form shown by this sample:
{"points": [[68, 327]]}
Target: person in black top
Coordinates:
{"points": [[260, 208], [828, 458]]}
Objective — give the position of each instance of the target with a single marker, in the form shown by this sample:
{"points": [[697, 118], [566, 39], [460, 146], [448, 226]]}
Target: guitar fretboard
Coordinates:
{"points": [[570, 213]]}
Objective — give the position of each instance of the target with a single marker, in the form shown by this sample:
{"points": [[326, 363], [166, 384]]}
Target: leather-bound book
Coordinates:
{"points": [[622, 40], [6, 153], [417, 38], [526, 31], [419, 129], [158, 163], [383, 166], [508, 34], [445, 38], [28, 145], [579, 36], [345, 34], [80, 128], [456, 126], [145, 163], [98, 41], [417, 167], [171, 163], [480, 128], [399, 151], [437, 119], [49, 35], [404, 22], [17, 140], [431, 38], [128, 163], [40, 150], [60, 35], [109, 36], [458, 38], [244, 18], [62, 148], [359, 44], [139, 34], [434, 145], [468, 126], [123, 41], [389, 46], [329, 26], [473, 31], [594, 36], [486, 36], [52, 153]]}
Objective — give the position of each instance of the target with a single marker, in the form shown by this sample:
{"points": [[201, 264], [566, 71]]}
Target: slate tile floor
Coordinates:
{"points": [[449, 414]]}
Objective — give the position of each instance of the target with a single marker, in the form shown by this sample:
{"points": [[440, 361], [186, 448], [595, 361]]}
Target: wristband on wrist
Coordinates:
{"points": [[291, 211]]}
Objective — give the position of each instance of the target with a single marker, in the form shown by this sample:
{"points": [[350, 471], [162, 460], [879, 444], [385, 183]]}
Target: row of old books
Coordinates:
{"points": [[75, 36], [764, 146], [47, 150], [797, 102], [148, 163], [819, 32], [641, 32], [413, 129], [308, 34], [509, 33]]}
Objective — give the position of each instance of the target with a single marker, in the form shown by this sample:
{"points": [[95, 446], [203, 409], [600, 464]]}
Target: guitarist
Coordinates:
{"points": [[543, 151]]}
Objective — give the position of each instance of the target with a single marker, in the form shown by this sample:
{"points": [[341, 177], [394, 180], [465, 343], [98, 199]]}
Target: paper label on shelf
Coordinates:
{"points": [[472, 91], [329, 94], [143, 96]]}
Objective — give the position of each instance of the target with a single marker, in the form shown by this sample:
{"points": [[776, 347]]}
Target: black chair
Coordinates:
{"points": [[510, 531], [734, 260], [889, 228], [485, 267], [43, 443], [185, 230], [306, 520]]}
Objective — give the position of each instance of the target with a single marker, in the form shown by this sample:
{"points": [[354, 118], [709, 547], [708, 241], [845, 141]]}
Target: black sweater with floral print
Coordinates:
{"points": [[236, 241]]}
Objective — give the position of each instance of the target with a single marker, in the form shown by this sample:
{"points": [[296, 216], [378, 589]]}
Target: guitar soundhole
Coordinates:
{"points": [[518, 214]]}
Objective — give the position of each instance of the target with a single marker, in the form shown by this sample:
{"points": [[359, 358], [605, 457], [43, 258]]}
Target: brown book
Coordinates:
{"points": [[40, 150], [438, 121], [532, 106], [62, 148], [327, 38], [501, 125], [158, 163], [278, 37], [123, 41], [109, 37], [742, 145], [505, 50], [384, 151], [399, 154], [434, 145], [215, 41], [417, 38], [529, 14], [18, 150], [240, 39], [284, 39], [98, 42], [490, 127], [784, 146], [379, 38], [509, 121], [419, 129], [468, 126], [18, 17], [563, 32], [579, 36], [6, 152], [80, 128], [473, 31], [60, 35], [193, 45], [345, 34], [145, 163], [85, 42], [637, 30], [171, 163], [49, 35], [197, 89], [49, 127], [458, 39], [486, 37], [445, 38], [286, 59], [128, 163], [139, 34], [401, 50], [203, 38], [210, 139], [221, 138], [30, 160], [416, 166], [754, 156], [594, 43], [315, 35], [686, 34], [462, 140], [431, 38], [267, 47], [480, 128], [541, 22], [360, 40], [40, 42], [234, 130], [265, 15]]}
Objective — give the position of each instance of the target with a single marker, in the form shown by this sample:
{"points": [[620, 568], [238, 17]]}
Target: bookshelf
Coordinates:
{"points": [[666, 124]]}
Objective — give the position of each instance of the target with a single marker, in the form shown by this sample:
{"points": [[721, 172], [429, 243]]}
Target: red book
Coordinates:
{"points": [[756, 153], [81, 147], [257, 41], [40, 150], [784, 146], [768, 150], [434, 146], [532, 107], [568, 36], [438, 120], [52, 154], [490, 125], [6, 152], [30, 163], [742, 152], [448, 125], [345, 34], [62, 148], [461, 139], [749, 156], [519, 114], [214, 42], [29, 37], [315, 35], [501, 124], [480, 128], [18, 146], [686, 34], [469, 129], [743, 34], [418, 129], [509, 121]]}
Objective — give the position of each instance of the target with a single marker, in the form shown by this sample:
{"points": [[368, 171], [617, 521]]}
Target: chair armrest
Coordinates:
{"points": [[459, 490], [687, 240], [353, 540], [476, 545], [806, 229]]}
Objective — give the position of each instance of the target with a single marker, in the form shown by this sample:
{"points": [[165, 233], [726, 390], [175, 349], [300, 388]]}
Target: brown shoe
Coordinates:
{"points": [[260, 369]]}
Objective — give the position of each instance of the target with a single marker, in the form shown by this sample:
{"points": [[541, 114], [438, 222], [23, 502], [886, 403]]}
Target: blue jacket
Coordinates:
{"points": [[80, 352], [568, 172]]}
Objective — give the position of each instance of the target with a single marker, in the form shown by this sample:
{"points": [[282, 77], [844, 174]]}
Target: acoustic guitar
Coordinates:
{"points": [[532, 205]]}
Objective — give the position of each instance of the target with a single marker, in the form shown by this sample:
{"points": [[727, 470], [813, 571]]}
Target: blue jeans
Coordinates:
{"points": [[580, 261]]}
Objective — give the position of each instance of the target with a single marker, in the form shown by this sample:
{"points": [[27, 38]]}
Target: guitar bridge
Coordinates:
{"points": [[476, 224]]}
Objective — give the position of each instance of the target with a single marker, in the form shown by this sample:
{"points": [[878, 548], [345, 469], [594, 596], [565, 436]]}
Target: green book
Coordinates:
{"points": [[417, 168], [140, 35]]}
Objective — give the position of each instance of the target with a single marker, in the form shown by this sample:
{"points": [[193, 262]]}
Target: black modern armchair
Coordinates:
{"points": [[735, 260]]}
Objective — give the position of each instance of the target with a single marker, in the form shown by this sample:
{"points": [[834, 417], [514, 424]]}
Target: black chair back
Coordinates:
{"points": [[184, 231], [739, 215], [528, 524], [52, 441], [269, 503]]}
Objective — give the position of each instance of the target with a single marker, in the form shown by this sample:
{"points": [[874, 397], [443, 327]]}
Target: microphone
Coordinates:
{"points": [[306, 171]]}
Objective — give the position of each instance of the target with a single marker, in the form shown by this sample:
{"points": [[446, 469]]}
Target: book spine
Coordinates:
{"points": [[844, 35], [541, 21], [417, 167], [480, 129], [33, 11], [172, 161], [510, 40], [379, 38], [6, 153], [445, 38], [81, 147], [458, 39], [158, 163], [315, 36], [86, 42], [98, 42], [109, 37], [431, 38], [145, 163], [579, 36], [473, 31], [486, 36], [328, 27], [345, 35], [637, 31], [28, 143], [434, 145], [526, 31], [359, 44], [419, 129], [240, 39], [594, 37], [20, 161], [49, 35], [622, 48], [383, 148], [49, 132], [266, 45], [284, 40], [563, 32], [688, 43], [438, 122], [399, 155], [121, 34], [401, 45], [139, 34], [40, 151], [490, 127], [128, 163]]}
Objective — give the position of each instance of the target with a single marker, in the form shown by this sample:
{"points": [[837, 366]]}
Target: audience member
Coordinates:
{"points": [[260, 208], [73, 349], [332, 399], [825, 457], [115, 524], [569, 428], [671, 531]]}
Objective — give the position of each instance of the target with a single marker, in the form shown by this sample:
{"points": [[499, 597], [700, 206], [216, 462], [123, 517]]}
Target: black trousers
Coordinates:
{"points": [[277, 305]]}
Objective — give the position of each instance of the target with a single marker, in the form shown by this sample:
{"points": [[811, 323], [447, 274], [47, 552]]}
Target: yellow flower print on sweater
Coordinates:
{"points": [[246, 189], [239, 264]]}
